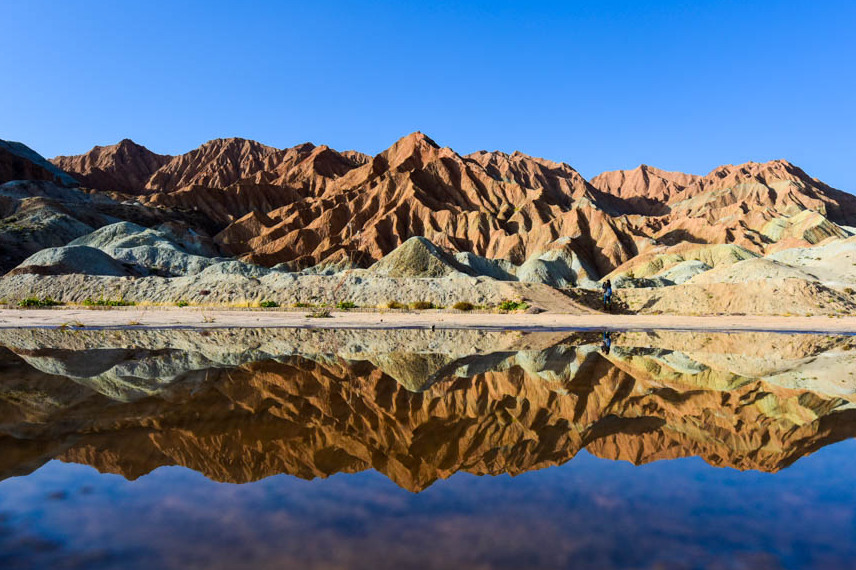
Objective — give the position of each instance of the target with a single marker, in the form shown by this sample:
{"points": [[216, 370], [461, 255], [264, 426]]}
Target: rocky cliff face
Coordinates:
{"points": [[308, 205]]}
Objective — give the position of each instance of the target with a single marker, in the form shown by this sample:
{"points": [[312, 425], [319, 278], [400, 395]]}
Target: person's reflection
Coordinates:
{"points": [[606, 343]]}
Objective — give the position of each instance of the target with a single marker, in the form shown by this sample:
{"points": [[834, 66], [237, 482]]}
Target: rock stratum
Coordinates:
{"points": [[241, 405], [670, 241]]}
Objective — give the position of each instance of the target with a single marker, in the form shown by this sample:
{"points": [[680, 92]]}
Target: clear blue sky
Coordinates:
{"points": [[602, 85]]}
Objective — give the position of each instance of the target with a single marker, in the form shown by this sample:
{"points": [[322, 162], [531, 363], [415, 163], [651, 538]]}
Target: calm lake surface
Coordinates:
{"points": [[300, 448]]}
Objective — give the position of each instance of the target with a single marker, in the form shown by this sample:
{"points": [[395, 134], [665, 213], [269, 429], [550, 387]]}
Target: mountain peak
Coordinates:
{"points": [[410, 152], [420, 138], [121, 167]]}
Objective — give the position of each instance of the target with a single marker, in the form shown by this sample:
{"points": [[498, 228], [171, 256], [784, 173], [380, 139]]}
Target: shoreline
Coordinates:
{"points": [[195, 318]]}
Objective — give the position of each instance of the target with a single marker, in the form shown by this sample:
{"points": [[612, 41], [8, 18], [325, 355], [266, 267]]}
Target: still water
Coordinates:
{"points": [[297, 448]]}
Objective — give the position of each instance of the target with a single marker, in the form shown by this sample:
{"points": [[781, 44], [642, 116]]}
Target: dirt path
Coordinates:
{"points": [[195, 317]]}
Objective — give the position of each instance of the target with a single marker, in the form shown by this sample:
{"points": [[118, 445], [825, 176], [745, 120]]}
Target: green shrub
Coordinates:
{"points": [[421, 305], [302, 305], [108, 303], [181, 303], [463, 306], [509, 305], [36, 302], [395, 305], [268, 304], [345, 305]]}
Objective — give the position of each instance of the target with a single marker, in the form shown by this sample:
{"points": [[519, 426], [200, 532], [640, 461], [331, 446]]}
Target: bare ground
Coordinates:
{"points": [[192, 317]]}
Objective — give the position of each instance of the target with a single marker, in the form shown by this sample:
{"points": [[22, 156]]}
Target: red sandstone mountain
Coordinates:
{"points": [[308, 204], [491, 204], [645, 189], [752, 205], [122, 167]]}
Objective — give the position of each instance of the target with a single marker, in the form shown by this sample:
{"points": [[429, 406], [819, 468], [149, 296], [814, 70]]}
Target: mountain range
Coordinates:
{"points": [[758, 238], [310, 204]]}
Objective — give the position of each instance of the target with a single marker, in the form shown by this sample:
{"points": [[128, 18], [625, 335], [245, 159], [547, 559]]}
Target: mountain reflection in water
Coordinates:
{"points": [[239, 405]]}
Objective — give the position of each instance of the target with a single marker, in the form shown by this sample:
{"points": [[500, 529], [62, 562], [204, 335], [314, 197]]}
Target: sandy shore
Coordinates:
{"points": [[204, 318]]}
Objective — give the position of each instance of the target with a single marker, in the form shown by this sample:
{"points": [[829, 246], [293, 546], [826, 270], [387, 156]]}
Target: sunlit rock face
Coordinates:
{"points": [[311, 204], [414, 405]]}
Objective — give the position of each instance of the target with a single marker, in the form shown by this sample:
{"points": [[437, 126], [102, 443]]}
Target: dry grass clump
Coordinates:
{"points": [[320, 313]]}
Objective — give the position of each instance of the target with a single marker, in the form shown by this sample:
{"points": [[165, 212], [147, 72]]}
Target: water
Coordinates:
{"points": [[411, 449]]}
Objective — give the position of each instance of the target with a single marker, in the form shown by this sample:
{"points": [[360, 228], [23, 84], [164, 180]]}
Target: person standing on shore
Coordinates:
{"points": [[607, 294]]}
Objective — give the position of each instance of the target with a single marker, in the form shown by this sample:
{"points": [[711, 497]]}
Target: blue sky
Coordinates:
{"points": [[601, 85]]}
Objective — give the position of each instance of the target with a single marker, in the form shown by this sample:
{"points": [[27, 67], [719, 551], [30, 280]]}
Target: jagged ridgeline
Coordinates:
{"points": [[505, 217]]}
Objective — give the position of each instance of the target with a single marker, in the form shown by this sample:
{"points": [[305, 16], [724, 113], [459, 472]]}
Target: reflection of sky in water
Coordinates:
{"points": [[589, 512]]}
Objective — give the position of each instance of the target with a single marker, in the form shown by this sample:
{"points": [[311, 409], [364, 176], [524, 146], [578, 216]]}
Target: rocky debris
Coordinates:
{"points": [[188, 238], [419, 271]]}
